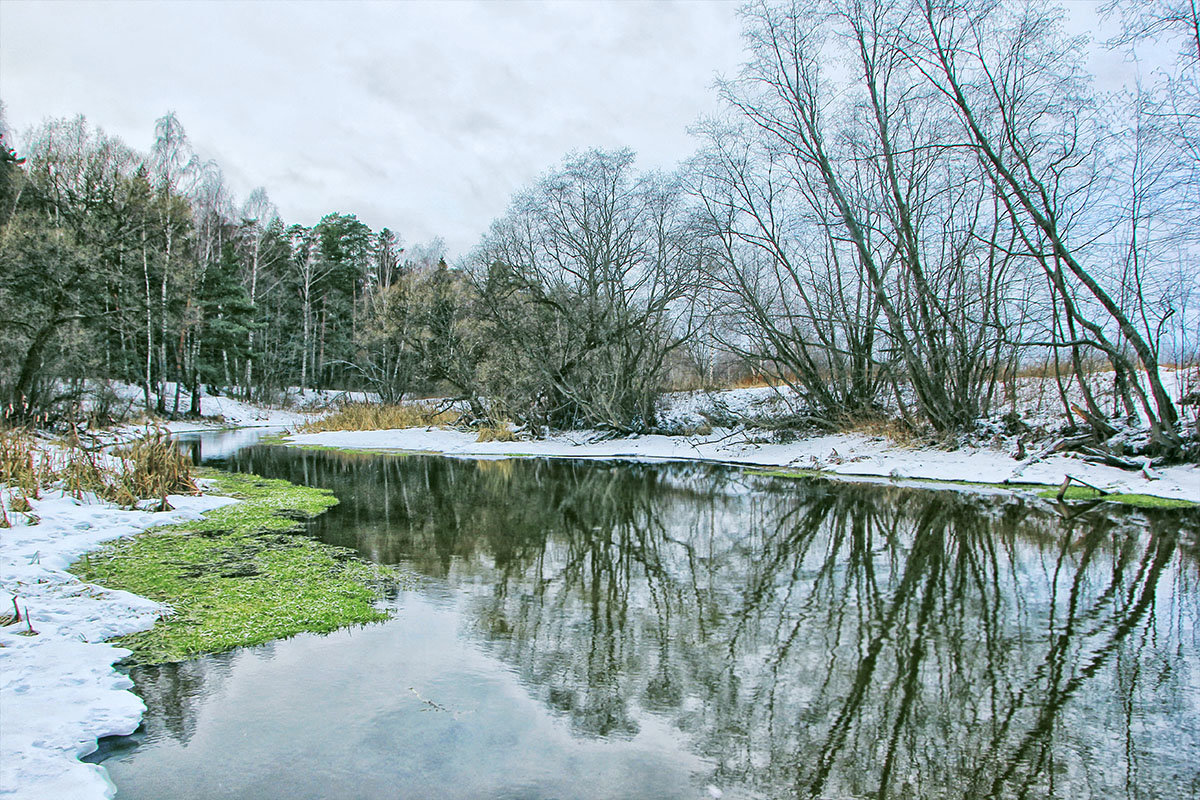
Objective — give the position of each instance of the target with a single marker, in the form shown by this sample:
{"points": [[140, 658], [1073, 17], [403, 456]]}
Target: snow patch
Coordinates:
{"points": [[58, 688], [845, 454]]}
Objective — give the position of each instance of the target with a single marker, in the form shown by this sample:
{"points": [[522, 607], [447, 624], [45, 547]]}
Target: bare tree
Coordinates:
{"points": [[1022, 103], [852, 181], [259, 218], [581, 282], [174, 170], [308, 269]]}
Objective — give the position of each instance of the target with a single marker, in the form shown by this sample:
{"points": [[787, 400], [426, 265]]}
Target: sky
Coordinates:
{"points": [[424, 117]]}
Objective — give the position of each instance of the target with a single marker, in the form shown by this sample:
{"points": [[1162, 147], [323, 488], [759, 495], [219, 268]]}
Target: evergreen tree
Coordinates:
{"points": [[229, 320]]}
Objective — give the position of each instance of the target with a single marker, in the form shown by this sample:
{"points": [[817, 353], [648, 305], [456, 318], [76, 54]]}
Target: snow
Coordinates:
{"points": [[58, 689], [217, 410], [1036, 398], [842, 454]]}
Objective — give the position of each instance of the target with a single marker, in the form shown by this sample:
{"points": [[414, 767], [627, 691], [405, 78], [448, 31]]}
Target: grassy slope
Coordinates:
{"points": [[242, 575]]}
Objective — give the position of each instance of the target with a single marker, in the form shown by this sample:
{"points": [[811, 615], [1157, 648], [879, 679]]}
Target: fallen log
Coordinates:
{"points": [[1068, 480]]}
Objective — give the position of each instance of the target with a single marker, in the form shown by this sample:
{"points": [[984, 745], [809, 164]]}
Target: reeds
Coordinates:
{"points": [[24, 465], [150, 467], [380, 417], [155, 467]]}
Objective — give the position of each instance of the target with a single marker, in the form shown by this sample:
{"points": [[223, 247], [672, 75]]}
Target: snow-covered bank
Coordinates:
{"points": [[843, 454], [229, 412], [219, 411], [125, 401], [58, 689]]}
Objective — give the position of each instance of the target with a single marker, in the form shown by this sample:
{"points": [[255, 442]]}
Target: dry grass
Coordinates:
{"points": [[155, 467], [150, 467], [893, 430], [1065, 369], [753, 381], [497, 432], [379, 417], [24, 465]]}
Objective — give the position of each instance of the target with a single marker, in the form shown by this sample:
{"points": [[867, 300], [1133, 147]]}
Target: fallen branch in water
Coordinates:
{"points": [[1062, 490]]}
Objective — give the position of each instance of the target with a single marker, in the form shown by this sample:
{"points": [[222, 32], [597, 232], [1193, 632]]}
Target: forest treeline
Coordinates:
{"points": [[899, 206]]}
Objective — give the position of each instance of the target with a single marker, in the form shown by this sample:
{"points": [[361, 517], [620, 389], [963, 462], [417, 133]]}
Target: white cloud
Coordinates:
{"points": [[424, 117], [421, 117]]}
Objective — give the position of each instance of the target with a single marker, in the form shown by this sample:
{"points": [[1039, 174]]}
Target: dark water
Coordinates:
{"points": [[588, 629]]}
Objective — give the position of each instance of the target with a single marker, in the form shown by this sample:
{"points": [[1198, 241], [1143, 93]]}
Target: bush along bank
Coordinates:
{"points": [[241, 575]]}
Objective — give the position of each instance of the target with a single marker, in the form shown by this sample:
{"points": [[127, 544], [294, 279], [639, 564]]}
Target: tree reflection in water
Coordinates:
{"points": [[811, 638]]}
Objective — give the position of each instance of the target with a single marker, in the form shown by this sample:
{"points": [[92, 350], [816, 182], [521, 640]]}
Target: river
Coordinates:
{"points": [[591, 629]]}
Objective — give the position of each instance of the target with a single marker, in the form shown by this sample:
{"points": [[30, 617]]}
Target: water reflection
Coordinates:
{"points": [[212, 444], [808, 639]]}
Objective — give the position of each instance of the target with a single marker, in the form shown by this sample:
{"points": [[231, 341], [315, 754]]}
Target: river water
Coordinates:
{"points": [[583, 629]]}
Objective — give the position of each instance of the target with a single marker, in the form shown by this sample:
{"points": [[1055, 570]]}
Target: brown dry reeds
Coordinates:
{"points": [[20, 465], [380, 417], [498, 432], [155, 467], [150, 467]]}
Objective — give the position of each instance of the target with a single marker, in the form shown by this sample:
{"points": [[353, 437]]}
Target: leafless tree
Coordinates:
{"points": [[1024, 106], [859, 214], [581, 283]]}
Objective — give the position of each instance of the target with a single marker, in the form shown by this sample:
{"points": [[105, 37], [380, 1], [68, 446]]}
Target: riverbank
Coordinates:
{"points": [[842, 455], [211, 574], [58, 687], [240, 575]]}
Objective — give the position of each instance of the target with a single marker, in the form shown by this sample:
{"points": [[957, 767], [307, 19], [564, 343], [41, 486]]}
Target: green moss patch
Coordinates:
{"points": [[274, 438], [241, 575], [1136, 500], [350, 451], [786, 473], [816, 473]]}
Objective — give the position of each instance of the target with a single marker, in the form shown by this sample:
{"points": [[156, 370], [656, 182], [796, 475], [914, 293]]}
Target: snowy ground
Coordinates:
{"points": [[1037, 400], [234, 413], [843, 454], [58, 689], [221, 410]]}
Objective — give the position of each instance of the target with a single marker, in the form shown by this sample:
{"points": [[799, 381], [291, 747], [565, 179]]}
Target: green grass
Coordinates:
{"points": [[241, 575], [274, 438], [1073, 493], [786, 473], [816, 473], [1136, 500]]}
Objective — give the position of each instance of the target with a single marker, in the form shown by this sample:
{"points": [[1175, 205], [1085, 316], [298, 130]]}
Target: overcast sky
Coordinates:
{"points": [[421, 116]]}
